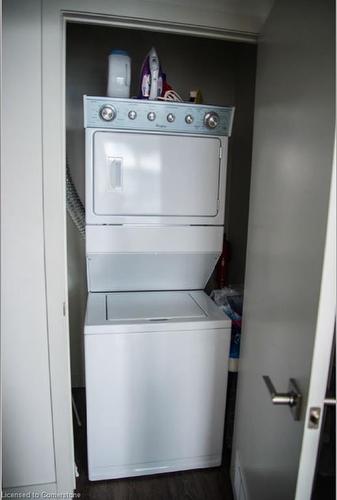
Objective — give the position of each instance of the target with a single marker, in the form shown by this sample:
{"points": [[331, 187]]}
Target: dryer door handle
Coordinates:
{"points": [[115, 173]]}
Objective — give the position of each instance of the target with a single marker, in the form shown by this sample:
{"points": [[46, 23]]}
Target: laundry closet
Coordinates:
{"points": [[265, 220], [161, 237]]}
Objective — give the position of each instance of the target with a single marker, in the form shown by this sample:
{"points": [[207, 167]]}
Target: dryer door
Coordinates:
{"points": [[135, 177]]}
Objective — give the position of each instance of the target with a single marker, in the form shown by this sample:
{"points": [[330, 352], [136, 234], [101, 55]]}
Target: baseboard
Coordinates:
{"points": [[35, 491], [143, 469], [238, 480]]}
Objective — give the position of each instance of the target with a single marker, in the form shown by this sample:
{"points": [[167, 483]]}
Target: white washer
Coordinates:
{"points": [[156, 378]]}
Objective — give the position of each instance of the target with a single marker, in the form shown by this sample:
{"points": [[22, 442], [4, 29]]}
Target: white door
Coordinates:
{"points": [[136, 175], [288, 318]]}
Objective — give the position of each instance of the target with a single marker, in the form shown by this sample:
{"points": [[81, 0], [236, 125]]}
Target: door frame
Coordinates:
{"points": [[55, 15]]}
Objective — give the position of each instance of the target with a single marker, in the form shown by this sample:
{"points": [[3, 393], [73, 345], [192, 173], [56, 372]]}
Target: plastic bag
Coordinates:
{"points": [[230, 300]]}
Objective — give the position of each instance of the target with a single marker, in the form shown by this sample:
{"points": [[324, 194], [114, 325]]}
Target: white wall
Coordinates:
{"points": [[28, 450], [225, 73]]}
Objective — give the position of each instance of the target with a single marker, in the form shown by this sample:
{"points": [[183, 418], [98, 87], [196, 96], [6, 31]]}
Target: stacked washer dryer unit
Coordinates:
{"points": [[156, 346]]}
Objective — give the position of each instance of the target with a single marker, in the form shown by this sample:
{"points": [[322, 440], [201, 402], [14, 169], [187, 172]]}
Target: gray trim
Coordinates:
{"points": [[168, 27]]}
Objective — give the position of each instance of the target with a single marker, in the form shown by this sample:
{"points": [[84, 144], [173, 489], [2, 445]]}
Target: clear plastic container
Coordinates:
{"points": [[119, 74]]}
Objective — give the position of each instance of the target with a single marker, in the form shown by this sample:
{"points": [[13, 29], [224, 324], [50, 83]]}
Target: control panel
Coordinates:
{"points": [[160, 116]]}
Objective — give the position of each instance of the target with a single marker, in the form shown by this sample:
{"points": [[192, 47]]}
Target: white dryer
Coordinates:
{"points": [[156, 346]]}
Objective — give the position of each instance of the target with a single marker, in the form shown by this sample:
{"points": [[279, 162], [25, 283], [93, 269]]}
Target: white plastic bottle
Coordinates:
{"points": [[119, 74]]}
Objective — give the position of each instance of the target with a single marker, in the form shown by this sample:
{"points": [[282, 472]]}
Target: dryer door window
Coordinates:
{"points": [[155, 175]]}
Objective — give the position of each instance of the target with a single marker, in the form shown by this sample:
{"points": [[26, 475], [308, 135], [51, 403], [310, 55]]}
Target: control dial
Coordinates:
{"points": [[189, 119], [211, 119], [132, 115], [107, 113]]}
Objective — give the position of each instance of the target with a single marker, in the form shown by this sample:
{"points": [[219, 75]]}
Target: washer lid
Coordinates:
{"points": [[145, 312], [152, 306]]}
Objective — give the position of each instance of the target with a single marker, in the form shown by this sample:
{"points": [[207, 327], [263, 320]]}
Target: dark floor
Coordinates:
{"points": [[200, 484], [325, 477]]}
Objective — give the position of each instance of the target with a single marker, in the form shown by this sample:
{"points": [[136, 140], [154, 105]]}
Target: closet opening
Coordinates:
{"points": [[224, 73]]}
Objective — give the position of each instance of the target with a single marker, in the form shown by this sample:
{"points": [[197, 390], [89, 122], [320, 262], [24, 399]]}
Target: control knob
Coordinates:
{"points": [[170, 117], [107, 113], [211, 119], [132, 115], [151, 116], [189, 119]]}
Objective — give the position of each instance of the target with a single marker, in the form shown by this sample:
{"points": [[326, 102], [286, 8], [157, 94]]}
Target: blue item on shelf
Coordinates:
{"points": [[230, 300]]}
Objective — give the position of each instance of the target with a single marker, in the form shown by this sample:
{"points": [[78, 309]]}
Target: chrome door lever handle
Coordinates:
{"points": [[279, 398], [292, 398]]}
